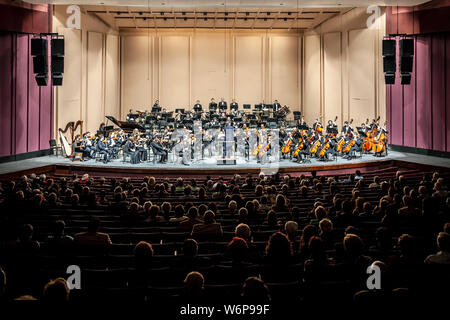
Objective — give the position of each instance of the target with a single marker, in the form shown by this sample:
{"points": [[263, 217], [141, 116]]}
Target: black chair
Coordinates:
{"points": [[54, 148]]}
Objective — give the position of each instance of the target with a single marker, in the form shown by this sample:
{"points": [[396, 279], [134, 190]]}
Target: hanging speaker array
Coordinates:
{"points": [[39, 51], [406, 59]]}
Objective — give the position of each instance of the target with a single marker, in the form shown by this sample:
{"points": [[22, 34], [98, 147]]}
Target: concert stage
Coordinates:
{"points": [[209, 165]]}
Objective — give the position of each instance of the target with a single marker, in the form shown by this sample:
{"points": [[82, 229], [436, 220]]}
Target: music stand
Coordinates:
{"points": [[246, 106], [179, 110], [332, 131], [198, 108], [234, 107], [303, 127], [156, 109], [258, 107]]}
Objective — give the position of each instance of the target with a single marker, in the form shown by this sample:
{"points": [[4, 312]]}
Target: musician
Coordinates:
{"points": [[276, 106], [197, 106], [87, 146], [156, 106], [130, 149], [222, 104], [113, 147], [345, 128], [102, 148], [102, 128], [302, 121], [159, 150], [316, 124], [234, 105], [140, 149], [212, 105], [331, 125]]}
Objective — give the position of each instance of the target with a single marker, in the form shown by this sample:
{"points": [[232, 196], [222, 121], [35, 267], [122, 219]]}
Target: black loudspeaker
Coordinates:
{"points": [[57, 79], [389, 78], [42, 79], [57, 64], [405, 78], [389, 64], [388, 47], [38, 47], [406, 64], [406, 47], [58, 47], [40, 64]]}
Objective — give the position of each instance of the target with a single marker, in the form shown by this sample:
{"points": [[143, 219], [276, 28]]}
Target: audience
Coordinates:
{"points": [[92, 237], [330, 226]]}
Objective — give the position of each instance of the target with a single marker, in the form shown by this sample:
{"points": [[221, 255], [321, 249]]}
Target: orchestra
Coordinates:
{"points": [[261, 134]]}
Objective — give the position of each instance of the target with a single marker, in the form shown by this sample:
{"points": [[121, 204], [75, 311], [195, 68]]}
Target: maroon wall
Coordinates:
{"points": [[419, 114], [26, 110]]}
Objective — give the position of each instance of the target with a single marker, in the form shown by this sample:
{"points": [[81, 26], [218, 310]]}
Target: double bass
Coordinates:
{"points": [[379, 142]]}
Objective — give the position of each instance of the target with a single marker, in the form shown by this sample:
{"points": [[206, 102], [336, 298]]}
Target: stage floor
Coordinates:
{"points": [[211, 163]]}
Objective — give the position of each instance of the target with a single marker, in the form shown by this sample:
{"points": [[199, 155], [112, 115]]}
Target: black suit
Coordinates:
{"points": [[101, 147], [159, 150], [234, 105], [129, 148], [276, 107], [222, 105]]}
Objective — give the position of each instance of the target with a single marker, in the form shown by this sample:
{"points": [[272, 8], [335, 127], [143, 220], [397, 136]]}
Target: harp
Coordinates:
{"points": [[70, 128]]}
